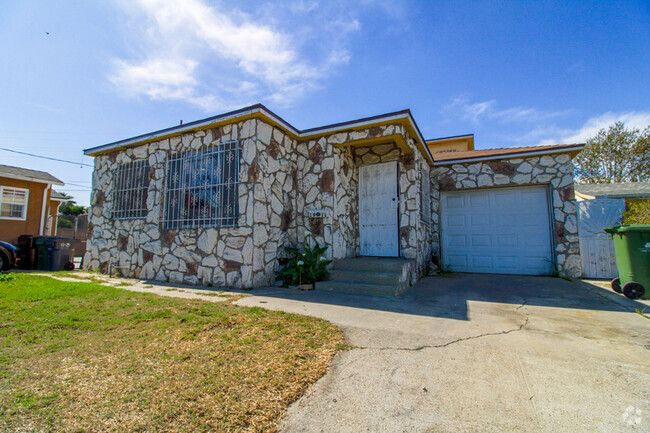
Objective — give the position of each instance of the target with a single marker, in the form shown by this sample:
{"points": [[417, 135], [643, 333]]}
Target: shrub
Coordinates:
{"points": [[307, 266], [638, 212]]}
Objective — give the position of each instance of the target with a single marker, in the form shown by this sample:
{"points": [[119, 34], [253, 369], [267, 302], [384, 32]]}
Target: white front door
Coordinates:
{"points": [[500, 231], [378, 207]]}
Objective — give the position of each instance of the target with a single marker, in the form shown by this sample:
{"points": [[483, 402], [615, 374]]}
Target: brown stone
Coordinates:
{"points": [[567, 193], [404, 233], [89, 232], [335, 226], [253, 172], [113, 156], [274, 149], [375, 131], [99, 198], [316, 154], [501, 167], [408, 161], [192, 268], [447, 183], [216, 133], [316, 226], [327, 181], [345, 168], [103, 267], [147, 256], [122, 242], [560, 232], [285, 219], [167, 236], [294, 178], [231, 265]]}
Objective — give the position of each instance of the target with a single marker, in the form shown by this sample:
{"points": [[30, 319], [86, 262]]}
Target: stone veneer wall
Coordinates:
{"points": [[244, 256], [280, 181], [328, 179], [553, 170]]}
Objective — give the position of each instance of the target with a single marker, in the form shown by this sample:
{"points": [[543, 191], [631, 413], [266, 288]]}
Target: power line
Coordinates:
{"points": [[45, 157]]}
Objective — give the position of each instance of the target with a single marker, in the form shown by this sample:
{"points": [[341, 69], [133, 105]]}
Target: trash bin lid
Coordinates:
{"points": [[630, 228]]}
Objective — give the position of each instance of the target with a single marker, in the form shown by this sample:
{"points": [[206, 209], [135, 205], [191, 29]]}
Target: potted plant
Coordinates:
{"points": [[305, 267]]}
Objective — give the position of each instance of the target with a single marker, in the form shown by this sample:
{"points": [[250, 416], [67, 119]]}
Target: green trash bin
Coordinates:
{"points": [[632, 246]]}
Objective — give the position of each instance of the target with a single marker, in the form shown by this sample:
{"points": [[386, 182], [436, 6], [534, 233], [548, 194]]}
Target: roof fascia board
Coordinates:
{"points": [[246, 113], [509, 155], [261, 111], [30, 179]]}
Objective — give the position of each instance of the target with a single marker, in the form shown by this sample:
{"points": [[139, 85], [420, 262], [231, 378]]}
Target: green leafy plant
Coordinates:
{"points": [[307, 266], [6, 277]]}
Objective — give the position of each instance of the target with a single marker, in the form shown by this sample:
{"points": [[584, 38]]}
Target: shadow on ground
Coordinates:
{"points": [[447, 296]]}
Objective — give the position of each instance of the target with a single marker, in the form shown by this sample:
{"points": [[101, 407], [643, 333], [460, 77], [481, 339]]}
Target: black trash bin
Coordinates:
{"points": [[54, 253], [27, 251], [62, 255]]}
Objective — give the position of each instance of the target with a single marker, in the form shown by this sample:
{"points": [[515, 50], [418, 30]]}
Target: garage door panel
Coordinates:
{"points": [[481, 241], [483, 263], [478, 200], [503, 230]]}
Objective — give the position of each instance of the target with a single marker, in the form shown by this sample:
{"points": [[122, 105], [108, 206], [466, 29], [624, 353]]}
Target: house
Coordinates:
{"points": [[626, 191], [26, 202], [602, 205], [217, 200]]}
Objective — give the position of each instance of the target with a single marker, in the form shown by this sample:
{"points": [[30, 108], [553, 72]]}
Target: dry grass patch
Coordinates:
{"points": [[86, 357]]}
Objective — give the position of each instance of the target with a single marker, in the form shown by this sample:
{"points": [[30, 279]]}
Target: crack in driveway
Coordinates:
{"points": [[449, 343]]}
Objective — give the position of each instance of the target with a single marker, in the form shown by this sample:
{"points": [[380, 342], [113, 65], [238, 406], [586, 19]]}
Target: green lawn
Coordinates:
{"points": [[86, 357]]}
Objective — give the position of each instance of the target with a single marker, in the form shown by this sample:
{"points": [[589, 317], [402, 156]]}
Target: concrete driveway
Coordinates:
{"points": [[467, 353]]}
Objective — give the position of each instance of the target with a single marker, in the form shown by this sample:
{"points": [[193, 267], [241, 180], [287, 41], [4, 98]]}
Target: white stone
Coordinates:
{"points": [[358, 135], [249, 151], [458, 168], [210, 262], [264, 132], [521, 179], [247, 251], [559, 215], [543, 178], [260, 235], [546, 161], [236, 242], [207, 240], [233, 254], [337, 138], [501, 179], [525, 168], [562, 159], [474, 168], [260, 213], [571, 224], [247, 129]]}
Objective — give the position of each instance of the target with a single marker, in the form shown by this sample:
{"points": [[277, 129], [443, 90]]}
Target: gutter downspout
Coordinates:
{"points": [[43, 209]]}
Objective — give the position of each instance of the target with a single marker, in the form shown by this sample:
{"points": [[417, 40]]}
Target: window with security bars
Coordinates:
{"points": [[131, 190], [201, 188]]}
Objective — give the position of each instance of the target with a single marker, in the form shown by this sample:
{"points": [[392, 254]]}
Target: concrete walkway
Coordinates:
{"points": [[470, 353]]}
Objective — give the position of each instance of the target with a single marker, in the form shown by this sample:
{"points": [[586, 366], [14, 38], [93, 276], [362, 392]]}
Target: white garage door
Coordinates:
{"points": [[501, 231]]}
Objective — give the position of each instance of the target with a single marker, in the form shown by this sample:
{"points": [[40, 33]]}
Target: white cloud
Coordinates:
{"points": [[475, 112], [217, 59], [632, 119]]}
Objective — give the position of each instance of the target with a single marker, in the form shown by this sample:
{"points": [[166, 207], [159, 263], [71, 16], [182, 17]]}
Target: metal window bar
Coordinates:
{"points": [[201, 187], [131, 190]]}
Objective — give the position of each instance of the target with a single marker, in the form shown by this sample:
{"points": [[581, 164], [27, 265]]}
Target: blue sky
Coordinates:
{"points": [[513, 73]]}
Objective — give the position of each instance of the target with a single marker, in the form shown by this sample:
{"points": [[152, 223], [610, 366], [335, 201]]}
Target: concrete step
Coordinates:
{"points": [[374, 264], [362, 288], [370, 277]]}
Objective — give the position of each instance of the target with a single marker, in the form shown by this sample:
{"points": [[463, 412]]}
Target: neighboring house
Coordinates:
{"points": [[217, 200], [602, 205], [26, 201]]}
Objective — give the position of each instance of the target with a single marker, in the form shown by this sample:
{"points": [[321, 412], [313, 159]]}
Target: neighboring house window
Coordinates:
{"points": [[425, 199], [13, 203], [201, 188], [131, 190]]}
